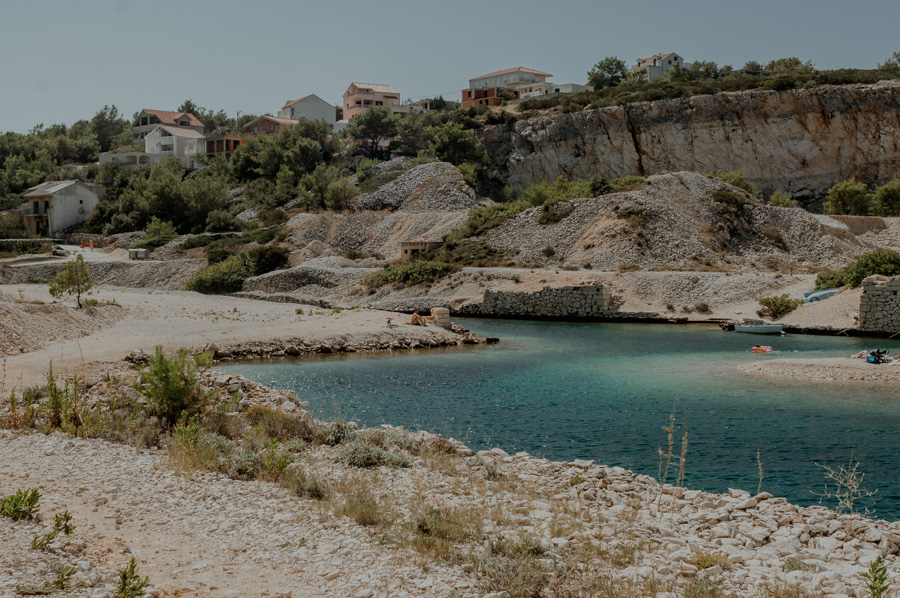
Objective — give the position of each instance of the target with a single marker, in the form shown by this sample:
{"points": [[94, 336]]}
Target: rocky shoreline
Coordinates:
{"points": [[587, 525]]}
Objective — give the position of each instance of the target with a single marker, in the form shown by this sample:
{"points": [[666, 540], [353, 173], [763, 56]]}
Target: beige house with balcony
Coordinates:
{"points": [[175, 142], [359, 97], [147, 120], [523, 82], [57, 205]]}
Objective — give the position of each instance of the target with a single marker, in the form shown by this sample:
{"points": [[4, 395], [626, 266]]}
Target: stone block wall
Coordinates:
{"points": [[561, 302], [879, 306]]}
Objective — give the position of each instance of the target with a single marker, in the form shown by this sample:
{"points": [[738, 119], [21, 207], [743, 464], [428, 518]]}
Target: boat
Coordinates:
{"points": [[759, 328], [761, 349]]}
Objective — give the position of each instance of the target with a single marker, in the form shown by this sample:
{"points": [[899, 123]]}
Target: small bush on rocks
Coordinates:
{"points": [[780, 199], [278, 425], [360, 454], [223, 277], [627, 183], [21, 505], [304, 485], [410, 273], [362, 507], [172, 385], [737, 179], [776, 307], [274, 462], [334, 433], [130, 583]]}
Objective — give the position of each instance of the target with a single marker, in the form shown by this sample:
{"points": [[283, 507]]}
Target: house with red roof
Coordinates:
{"points": [[509, 84], [147, 120], [310, 107], [658, 65]]}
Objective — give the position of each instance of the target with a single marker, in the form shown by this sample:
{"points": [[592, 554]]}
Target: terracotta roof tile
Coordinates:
{"points": [[171, 118]]}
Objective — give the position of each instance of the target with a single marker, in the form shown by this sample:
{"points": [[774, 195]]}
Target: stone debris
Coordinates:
{"points": [[433, 187], [26, 326]]}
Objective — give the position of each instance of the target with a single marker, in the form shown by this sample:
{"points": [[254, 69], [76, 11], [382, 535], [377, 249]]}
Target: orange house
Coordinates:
{"points": [[359, 97]]}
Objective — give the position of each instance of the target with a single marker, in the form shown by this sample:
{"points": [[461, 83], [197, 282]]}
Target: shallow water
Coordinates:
{"points": [[604, 391]]}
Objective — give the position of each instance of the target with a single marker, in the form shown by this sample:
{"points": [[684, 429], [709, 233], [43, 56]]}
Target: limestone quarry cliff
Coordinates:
{"points": [[799, 141]]}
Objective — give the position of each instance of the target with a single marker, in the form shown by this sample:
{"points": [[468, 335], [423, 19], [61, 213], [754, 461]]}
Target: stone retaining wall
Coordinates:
{"points": [[561, 302], [879, 306]]}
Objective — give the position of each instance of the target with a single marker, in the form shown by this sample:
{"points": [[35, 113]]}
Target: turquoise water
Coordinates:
{"points": [[603, 391]]}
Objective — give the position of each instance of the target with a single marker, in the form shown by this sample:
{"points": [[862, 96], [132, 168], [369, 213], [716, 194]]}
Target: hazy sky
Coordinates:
{"points": [[62, 60]]}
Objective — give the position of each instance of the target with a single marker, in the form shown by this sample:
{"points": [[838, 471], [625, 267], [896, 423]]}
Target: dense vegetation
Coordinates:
{"points": [[615, 85], [854, 198], [886, 263]]}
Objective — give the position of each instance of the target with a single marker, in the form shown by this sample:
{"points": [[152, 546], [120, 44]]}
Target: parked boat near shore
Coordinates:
{"points": [[759, 328]]}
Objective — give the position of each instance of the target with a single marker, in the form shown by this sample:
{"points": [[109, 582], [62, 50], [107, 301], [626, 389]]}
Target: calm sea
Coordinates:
{"points": [[604, 391]]}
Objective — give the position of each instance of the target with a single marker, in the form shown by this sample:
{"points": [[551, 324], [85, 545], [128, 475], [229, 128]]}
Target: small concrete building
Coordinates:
{"points": [[411, 248], [57, 205]]}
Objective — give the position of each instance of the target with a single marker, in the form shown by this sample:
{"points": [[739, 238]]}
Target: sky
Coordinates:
{"points": [[63, 60]]}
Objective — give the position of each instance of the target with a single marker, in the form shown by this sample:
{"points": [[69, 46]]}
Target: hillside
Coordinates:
{"points": [[800, 141], [674, 223]]}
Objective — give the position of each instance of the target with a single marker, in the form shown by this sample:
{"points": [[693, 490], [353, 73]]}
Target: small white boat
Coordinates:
{"points": [[759, 328]]}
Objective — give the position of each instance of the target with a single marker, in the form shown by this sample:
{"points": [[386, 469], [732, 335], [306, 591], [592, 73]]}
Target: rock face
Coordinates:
{"points": [[799, 141], [879, 306]]}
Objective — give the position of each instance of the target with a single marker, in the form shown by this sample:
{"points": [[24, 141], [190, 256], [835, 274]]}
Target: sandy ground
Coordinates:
{"points": [[833, 369], [177, 319]]}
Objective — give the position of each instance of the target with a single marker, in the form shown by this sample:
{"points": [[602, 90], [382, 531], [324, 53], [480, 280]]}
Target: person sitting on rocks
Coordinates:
{"points": [[416, 319]]}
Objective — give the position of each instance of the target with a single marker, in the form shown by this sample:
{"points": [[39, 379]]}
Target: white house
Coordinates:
{"points": [[57, 205], [659, 64], [175, 142], [310, 107], [147, 120]]}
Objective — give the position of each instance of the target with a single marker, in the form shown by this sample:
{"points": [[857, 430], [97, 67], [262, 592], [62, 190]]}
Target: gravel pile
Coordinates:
{"points": [[434, 187], [26, 327], [671, 223], [322, 274], [371, 233], [167, 275]]}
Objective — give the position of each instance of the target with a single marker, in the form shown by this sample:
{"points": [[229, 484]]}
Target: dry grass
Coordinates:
{"points": [[705, 560]]}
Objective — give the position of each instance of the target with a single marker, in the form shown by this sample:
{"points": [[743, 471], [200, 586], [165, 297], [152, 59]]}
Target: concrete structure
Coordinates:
{"points": [[441, 316], [411, 248], [584, 301], [57, 205], [138, 254], [310, 107], [135, 158], [520, 81], [879, 305], [147, 120], [568, 88], [175, 142], [223, 145], [658, 65], [359, 97], [268, 125]]}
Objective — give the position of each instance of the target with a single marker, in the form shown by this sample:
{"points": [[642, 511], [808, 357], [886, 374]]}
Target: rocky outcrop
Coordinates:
{"points": [[799, 141], [879, 306], [434, 187], [673, 222]]}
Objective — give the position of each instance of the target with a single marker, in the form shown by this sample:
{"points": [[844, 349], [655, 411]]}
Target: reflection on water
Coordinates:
{"points": [[603, 391]]}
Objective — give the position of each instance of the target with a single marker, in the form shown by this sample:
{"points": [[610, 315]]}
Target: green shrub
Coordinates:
{"points": [[218, 253], [776, 307], [362, 507], [730, 198], [172, 386], [130, 583], [21, 505], [158, 233], [848, 197], [334, 433], [780, 199], [884, 262], [268, 258], [224, 277], [278, 425], [737, 179], [373, 182], [410, 273], [887, 200], [548, 251], [364, 455], [627, 183]]}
